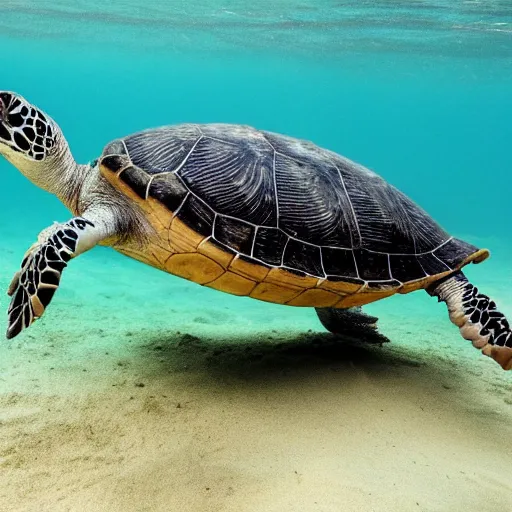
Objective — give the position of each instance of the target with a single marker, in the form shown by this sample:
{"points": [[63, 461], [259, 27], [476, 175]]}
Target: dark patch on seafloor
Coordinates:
{"points": [[262, 355], [284, 360]]}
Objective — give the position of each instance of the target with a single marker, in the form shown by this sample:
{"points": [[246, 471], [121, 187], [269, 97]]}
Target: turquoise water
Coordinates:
{"points": [[141, 391], [419, 91]]}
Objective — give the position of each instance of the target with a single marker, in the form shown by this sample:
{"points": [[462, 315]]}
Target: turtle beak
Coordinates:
{"points": [[2, 110], [5, 99]]}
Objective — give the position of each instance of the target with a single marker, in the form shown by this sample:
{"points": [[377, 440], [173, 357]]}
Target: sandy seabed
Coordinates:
{"points": [[141, 392]]}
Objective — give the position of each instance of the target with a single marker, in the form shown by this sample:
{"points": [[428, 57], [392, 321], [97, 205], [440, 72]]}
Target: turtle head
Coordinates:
{"points": [[33, 142], [24, 129]]}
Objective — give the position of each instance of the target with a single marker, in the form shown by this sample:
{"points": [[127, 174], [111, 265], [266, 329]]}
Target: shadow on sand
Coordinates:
{"points": [[270, 355]]}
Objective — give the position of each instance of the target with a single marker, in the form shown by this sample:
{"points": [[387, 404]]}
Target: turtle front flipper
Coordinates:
{"points": [[34, 285], [351, 322], [477, 317]]}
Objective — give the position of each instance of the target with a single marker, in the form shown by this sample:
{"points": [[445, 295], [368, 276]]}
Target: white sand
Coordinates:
{"points": [[142, 392]]}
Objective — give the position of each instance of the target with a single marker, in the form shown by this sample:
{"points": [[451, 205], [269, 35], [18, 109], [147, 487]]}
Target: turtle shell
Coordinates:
{"points": [[285, 207]]}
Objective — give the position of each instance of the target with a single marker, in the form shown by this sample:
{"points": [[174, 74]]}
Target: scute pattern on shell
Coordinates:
{"points": [[283, 202]]}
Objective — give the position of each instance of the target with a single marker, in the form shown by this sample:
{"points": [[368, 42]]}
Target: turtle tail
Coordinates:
{"points": [[477, 317]]}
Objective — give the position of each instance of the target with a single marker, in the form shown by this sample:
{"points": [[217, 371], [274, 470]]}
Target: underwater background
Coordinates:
{"points": [[418, 91]]}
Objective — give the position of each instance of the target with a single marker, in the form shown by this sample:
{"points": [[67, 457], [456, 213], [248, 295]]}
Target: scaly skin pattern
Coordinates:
{"points": [[32, 287], [477, 317]]}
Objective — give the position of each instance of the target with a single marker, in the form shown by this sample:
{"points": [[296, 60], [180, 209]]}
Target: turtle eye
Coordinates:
{"points": [[5, 100]]}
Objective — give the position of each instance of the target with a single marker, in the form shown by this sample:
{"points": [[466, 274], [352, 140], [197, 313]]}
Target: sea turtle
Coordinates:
{"points": [[244, 211]]}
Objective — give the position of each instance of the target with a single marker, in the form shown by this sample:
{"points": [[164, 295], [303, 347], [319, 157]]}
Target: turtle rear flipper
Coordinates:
{"points": [[477, 317], [351, 322]]}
